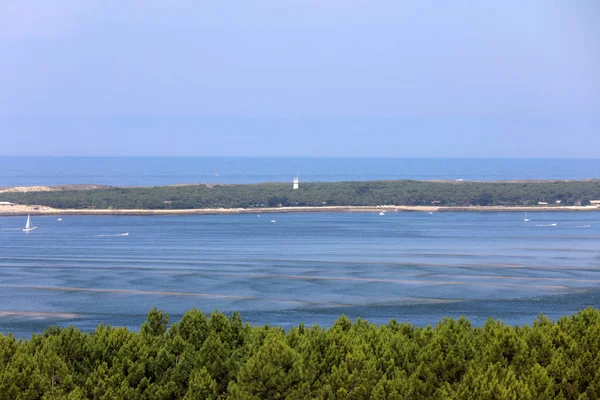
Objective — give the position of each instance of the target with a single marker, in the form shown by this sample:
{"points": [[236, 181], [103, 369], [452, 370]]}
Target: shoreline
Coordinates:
{"points": [[19, 210]]}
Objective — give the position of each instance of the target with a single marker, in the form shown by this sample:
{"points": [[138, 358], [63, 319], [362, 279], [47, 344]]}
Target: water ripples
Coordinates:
{"points": [[305, 266]]}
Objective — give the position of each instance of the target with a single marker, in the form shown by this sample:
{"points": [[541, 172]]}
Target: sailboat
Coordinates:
{"points": [[382, 213], [28, 226], [525, 219]]}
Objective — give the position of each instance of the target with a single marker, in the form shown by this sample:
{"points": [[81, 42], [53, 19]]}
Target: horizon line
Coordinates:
{"points": [[306, 156]]}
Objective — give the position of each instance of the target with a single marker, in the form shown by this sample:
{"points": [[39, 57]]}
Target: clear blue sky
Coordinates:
{"points": [[391, 78]]}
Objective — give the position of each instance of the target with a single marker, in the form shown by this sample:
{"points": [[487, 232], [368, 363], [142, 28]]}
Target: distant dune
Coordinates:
{"points": [[28, 189]]}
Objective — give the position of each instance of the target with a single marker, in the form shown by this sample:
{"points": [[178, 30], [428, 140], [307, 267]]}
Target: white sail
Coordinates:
{"points": [[28, 226]]}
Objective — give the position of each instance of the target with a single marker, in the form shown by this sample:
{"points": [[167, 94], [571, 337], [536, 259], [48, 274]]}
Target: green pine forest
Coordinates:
{"points": [[358, 193], [220, 357]]}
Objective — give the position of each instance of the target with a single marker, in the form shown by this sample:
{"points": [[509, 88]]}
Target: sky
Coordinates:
{"points": [[283, 78]]}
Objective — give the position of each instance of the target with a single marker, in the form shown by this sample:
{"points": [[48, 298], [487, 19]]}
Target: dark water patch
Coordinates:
{"points": [[567, 250]]}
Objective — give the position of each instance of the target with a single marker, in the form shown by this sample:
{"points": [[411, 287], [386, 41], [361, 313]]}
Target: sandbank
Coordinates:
{"points": [[19, 209]]}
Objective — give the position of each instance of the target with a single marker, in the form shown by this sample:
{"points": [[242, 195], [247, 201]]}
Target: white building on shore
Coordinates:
{"points": [[296, 183]]}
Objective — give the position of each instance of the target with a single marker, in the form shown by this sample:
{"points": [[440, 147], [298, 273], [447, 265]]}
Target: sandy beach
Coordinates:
{"points": [[18, 209]]}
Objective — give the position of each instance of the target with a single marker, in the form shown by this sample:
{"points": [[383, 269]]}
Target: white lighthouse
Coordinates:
{"points": [[296, 182]]}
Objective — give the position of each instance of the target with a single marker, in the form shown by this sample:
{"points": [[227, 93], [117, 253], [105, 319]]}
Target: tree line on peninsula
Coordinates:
{"points": [[220, 357], [317, 194]]}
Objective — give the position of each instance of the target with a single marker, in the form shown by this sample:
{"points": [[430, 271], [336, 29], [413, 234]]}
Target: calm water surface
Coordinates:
{"points": [[148, 171], [309, 268]]}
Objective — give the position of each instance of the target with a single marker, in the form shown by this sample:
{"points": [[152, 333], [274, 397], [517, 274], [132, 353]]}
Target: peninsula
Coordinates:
{"points": [[359, 196]]}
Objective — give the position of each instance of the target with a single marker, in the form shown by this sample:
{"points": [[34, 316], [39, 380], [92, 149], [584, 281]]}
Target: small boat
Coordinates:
{"points": [[525, 219], [430, 212], [552, 224], [258, 215], [59, 219], [28, 226], [113, 234], [382, 213], [273, 220]]}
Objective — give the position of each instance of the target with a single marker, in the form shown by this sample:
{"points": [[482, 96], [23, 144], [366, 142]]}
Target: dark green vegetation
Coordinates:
{"points": [[367, 193], [221, 357]]}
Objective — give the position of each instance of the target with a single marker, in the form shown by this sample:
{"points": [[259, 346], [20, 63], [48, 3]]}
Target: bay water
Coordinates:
{"points": [[412, 266]]}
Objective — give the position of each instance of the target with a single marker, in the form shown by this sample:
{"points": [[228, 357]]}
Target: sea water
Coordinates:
{"points": [[150, 171], [311, 268]]}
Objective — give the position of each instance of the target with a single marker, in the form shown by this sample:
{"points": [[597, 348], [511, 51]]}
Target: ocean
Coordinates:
{"points": [[310, 268], [152, 171]]}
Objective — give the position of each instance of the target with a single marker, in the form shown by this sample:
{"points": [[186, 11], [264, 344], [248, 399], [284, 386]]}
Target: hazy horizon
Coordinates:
{"points": [[301, 157]]}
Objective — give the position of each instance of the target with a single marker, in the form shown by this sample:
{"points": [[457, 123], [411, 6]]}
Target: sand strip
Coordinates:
{"points": [[18, 209], [36, 314]]}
